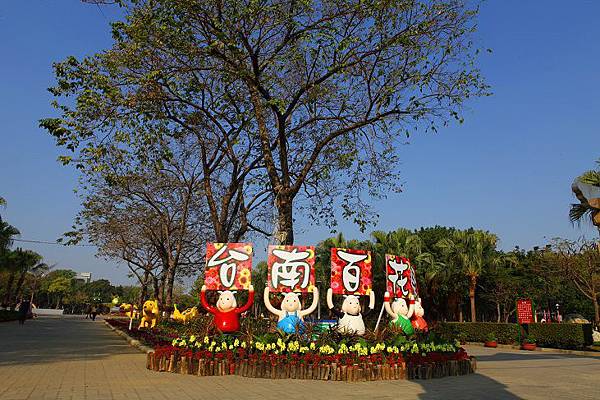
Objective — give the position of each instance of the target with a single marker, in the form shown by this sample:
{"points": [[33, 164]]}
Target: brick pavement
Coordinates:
{"points": [[74, 358]]}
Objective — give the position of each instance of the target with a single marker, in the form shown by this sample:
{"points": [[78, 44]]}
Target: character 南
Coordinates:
{"points": [[350, 317], [291, 315], [227, 313]]}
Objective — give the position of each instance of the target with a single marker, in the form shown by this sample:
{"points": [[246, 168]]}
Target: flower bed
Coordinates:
{"points": [[260, 351]]}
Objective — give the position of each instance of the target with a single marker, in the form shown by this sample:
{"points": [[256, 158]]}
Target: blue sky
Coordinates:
{"points": [[507, 169]]}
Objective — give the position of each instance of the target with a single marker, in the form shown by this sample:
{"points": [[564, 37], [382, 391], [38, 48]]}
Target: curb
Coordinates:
{"points": [[132, 342], [542, 349]]}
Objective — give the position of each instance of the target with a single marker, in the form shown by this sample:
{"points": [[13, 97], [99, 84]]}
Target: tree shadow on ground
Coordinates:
{"points": [[474, 386]]}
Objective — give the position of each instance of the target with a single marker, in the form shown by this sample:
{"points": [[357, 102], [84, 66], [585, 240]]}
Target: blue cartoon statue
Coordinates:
{"points": [[291, 315]]}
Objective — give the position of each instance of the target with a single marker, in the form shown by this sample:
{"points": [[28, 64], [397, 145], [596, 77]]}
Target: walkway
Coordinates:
{"points": [[73, 358]]}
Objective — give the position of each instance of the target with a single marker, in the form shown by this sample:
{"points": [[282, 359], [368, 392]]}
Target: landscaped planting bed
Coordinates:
{"points": [[260, 351]]}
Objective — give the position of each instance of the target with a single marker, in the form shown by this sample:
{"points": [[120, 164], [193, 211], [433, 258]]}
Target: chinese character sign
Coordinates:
{"points": [[350, 271], [291, 268], [524, 311], [228, 266], [401, 279]]}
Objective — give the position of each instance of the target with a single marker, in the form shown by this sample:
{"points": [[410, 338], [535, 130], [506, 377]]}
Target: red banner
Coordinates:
{"points": [[351, 271], [524, 311], [291, 268], [401, 279], [228, 266]]}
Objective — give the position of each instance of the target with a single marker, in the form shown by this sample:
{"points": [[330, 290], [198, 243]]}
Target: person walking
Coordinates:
{"points": [[94, 312], [24, 309]]}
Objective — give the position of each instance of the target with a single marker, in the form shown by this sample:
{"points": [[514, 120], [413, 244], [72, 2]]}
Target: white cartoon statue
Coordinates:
{"points": [[350, 317], [400, 313], [417, 320], [291, 315]]}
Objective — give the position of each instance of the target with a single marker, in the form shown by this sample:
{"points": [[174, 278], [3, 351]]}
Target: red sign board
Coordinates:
{"points": [[291, 268], [350, 271], [228, 266], [401, 279], [524, 311]]}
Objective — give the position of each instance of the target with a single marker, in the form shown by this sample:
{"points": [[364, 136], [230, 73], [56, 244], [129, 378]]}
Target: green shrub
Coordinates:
{"points": [[559, 336], [479, 331], [562, 336], [7, 315]]}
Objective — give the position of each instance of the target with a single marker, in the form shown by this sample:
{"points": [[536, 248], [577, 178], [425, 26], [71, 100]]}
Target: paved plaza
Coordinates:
{"points": [[74, 358]]}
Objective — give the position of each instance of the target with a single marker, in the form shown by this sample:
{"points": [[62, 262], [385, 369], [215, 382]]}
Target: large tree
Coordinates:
{"points": [[586, 188], [306, 100]]}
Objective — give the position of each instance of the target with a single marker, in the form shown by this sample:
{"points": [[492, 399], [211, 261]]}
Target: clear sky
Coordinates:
{"points": [[507, 169]]}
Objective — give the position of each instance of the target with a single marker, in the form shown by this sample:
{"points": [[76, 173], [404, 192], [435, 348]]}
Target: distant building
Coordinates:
{"points": [[85, 277]]}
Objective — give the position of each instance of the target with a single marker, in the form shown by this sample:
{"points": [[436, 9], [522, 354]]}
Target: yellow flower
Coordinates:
{"points": [[192, 338], [236, 343], [206, 339], [312, 345], [243, 345]]}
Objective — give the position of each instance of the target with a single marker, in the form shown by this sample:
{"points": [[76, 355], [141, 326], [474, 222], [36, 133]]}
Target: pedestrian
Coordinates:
{"points": [[24, 310], [94, 312], [88, 311]]}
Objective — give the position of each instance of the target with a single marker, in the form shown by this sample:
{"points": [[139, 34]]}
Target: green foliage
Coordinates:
{"points": [[479, 331], [562, 336], [7, 315]]}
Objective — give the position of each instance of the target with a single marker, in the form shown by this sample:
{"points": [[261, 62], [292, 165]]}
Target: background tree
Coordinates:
{"points": [[473, 251], [579, 263]]}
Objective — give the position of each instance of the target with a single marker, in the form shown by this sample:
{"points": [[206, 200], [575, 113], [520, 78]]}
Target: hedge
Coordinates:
{"points": [[560, 336], [7, 315], [478, 331]]}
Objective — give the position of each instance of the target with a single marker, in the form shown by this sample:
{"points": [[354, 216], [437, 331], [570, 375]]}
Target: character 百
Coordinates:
{"points": [[227, 313], [350, 317], [291, 315], [400, 312]]}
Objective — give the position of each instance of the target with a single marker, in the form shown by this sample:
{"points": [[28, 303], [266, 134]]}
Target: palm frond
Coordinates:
{"points": [[578, 212]]}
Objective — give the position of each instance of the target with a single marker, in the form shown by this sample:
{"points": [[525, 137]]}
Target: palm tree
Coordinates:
{"points": [[7, 232], [27, 262], [472, 250], [18, 262], [586, 188]]}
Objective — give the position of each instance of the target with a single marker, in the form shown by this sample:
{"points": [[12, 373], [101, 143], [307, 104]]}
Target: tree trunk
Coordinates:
{"points": [[472, 286], [596, 310], [144, 291], [285, 221], [498, 311], [169, 286], [20, 283], [8, 294]]}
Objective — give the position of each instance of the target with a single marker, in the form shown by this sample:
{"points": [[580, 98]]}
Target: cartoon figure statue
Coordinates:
{"points": [[400, 313], [149, 314], [417, 321], [350, 317], [291, 315], [227, 313]]}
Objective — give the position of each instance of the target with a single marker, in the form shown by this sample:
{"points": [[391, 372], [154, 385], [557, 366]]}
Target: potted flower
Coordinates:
{"points": [[529, 343], [491, 340]]}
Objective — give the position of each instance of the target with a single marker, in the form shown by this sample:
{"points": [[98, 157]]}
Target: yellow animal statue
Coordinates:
{"points": [[127, 309], [185, 316], [189, 314], [149, 314], [177, 315]]}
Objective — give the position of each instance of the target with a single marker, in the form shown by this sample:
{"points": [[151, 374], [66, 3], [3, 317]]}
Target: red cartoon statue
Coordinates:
{"points": [[227, 313]]}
